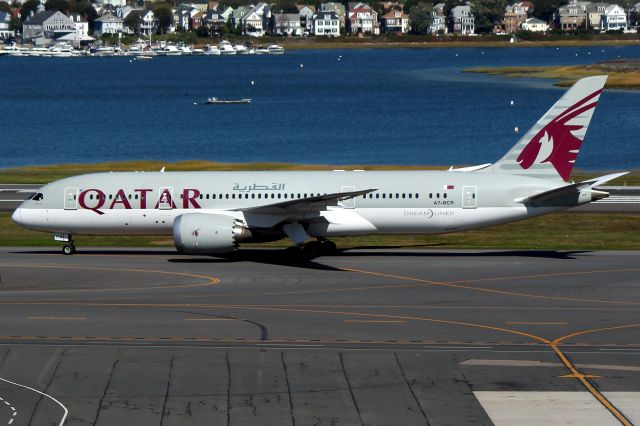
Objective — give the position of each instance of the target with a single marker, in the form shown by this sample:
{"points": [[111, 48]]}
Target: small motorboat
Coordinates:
{"points": [[228, 101]]}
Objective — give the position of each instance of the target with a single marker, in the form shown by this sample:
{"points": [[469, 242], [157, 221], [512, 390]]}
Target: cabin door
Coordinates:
{"points": [[71, 198], [469, 197], [348, 203]]}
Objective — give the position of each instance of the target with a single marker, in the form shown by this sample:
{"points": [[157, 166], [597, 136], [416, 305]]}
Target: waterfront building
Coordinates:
{"points": [[463, 20], [438, 20], [181, 19], [45, 27], [251, 22], [395, 21], [339, 10], [286, 24], [326, 24], [515, 15], [614, 18], [227, 14], [214, 21], [362, 19], [5, 21], [107, 24], [573, 15], [594, 14], [535, 25], [306, 13]]}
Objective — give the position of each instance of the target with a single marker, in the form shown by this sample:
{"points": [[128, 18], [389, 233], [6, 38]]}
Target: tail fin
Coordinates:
{"points": [[550, 148]]}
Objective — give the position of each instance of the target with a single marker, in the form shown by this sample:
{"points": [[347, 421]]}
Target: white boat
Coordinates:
{"points": [[240, 49], [171, 50], [105, 51], [226, 48], [262, 51], [185, 50], [274, 49], [62, 50], [13, 50], [228, 101], [197, 51], [212, 50], [39, 52]]}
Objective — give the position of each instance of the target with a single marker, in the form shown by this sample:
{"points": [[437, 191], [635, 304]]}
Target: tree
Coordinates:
{"points": [[284, 7], [448, 7], [163, 15], [28, 7], [59, 5], [4, 7], [545, 9], [487, 13], [133, 21], [420, 18]]}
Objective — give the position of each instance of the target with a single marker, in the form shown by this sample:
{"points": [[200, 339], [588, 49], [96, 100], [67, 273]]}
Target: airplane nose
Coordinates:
{"points": [[17, 216]]}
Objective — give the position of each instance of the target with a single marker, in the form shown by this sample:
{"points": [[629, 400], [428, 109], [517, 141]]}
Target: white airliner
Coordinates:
{"points": [[212, 212]]}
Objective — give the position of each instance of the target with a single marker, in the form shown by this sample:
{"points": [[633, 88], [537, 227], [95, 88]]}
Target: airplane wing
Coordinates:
{"points": [[308, 204], [568, 190]]}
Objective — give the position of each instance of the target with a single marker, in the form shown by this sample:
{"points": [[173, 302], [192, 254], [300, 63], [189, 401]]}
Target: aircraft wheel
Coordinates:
{"points": [[68, 249], [328, 248], [312, 250]]}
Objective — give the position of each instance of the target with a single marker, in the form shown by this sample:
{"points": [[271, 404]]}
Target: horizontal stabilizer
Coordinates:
{"points": [[569, 190], [470, 168]]}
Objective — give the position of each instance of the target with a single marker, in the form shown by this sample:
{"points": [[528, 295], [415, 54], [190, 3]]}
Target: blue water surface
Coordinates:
{"points": [[352, 106]]}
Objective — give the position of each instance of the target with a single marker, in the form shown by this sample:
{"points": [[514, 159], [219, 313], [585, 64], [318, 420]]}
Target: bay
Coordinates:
{"points": [[328, 106]]}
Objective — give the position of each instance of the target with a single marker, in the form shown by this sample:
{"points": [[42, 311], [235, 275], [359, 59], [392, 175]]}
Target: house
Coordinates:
{"points": [[573, 15], [146, 20], [395, 21], [107, 24], [306, 13], [5, 21], [339, 10], [515, 15], [463, 20], [80, 25], [45, 27], [326, 24], [535, 25], [594, 14], [237, 14], [115, 3], [227, 13], [438, 20], [195, 19], [252, 23], [614, 18], [287, 24], [214, 21], [181, 19], [362, 19]]}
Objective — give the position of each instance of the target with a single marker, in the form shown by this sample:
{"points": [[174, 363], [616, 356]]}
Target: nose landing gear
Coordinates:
{"points": [[68, 248]]}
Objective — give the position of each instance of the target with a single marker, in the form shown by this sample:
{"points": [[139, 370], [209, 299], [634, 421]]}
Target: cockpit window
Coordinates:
{"points": [[37, 197]]}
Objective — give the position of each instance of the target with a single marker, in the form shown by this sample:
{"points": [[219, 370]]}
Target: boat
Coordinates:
{"points": [[13, 50], [211, 50], [214, 100], [274, 49], [241, 49], [226, 48], [143, 57], [262, 51]]}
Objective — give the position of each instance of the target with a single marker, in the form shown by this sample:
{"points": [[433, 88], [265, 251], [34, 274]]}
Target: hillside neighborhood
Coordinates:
{"points": [[78, 21]]}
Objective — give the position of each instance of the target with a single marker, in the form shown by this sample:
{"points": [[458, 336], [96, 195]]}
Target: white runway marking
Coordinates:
{"points": [[557, 408], [15, 412]]}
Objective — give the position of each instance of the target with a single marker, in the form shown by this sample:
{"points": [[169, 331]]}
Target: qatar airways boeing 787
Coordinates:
{"points": [[213, 212]]}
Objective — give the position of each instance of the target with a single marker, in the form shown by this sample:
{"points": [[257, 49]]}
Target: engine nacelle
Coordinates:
{"points": [[202, 233]]}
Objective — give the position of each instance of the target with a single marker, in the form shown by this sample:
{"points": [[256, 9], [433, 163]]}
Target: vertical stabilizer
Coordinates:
{"points": [[550, 148]]}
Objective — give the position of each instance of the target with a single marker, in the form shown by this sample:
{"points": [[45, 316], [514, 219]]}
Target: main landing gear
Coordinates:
{"points": [[68, 247], [311, 250]]}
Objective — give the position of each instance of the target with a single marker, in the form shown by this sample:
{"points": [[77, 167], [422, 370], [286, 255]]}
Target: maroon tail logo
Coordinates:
{"points": [[555, 142]]}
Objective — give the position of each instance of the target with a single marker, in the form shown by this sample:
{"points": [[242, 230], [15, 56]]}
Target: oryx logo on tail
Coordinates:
{"points": [[557, 143]]}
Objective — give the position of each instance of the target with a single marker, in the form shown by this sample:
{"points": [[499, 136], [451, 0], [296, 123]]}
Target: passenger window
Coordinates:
{"points": [[226, 196], [384, 195], [444, 195], [410, 195], [279, 195], [430, 195]]}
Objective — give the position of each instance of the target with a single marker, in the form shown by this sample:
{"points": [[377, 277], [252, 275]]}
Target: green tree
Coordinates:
{"points": [[15, 24], [163, 15], [5, 7], [546, 8], [487, 13], [28, 7], [59, 5], [133, 21], [448, 7], [420, 18], [284, 7]]}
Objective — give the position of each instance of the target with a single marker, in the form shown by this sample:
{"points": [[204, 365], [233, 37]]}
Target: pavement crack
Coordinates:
{"points": [[228, 389], [409, 385], [286, 378], [6, 355], [53, 375], [166, 393], [353, 397], [104, 392]]}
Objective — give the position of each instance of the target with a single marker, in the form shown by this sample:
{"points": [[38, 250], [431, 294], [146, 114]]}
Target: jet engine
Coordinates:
{"points": [[202, 233]]}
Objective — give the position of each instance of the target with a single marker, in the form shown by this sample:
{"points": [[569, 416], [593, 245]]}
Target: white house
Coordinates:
{"points": [[339, 10], [326, 24], [107, 24], [395, 21], [438, 20], [463, 20], [287, 24], [5, 20], [362, 19], [594, 14], [81, 26], [614, 18], [535, 25], [252, 23], [44, 27], [306, 13]]}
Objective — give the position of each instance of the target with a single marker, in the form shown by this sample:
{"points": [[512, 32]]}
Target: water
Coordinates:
{"points": [[355, 106]]}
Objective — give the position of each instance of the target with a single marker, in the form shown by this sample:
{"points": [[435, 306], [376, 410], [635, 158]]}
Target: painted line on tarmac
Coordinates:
{"points": [[58, 318], [66, 412], [534, 323], [14, 412]]}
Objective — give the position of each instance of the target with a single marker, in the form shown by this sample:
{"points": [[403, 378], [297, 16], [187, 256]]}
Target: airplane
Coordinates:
{"points": [[212, 213]]}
